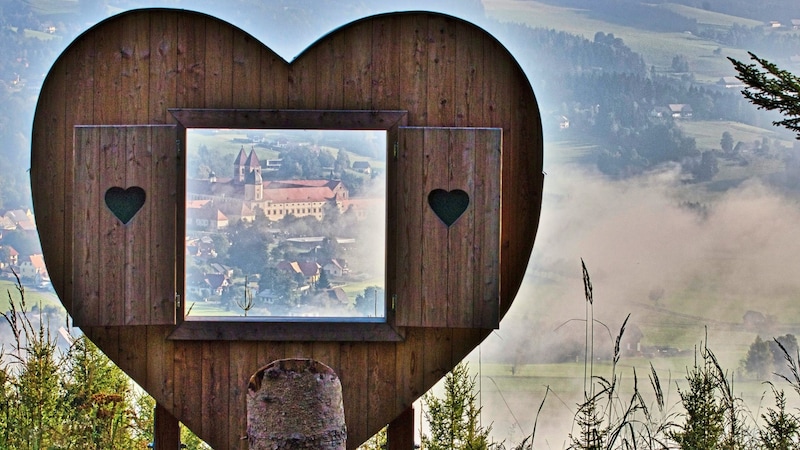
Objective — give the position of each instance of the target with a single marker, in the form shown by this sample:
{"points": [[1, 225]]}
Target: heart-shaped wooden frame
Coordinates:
{"points": [[131, 68]]}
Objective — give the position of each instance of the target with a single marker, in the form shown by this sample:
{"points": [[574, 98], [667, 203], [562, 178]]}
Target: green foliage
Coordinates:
{"points": [[772, 88], [758, 361], [781, 430], [454, 420]]}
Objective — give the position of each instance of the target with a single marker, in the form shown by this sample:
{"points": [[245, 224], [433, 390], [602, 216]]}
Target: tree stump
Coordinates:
{"points": [[295, 404]]}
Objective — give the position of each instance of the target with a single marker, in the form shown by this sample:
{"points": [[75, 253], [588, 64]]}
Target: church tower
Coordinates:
{"points": [[239, 166]]}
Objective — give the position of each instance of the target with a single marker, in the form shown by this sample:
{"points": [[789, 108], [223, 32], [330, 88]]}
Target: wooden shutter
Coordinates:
{"points": [[124, 273], [448, 275]]}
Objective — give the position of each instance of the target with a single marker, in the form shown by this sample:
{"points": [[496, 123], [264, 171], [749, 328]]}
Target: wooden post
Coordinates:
{"points": [[295, 404], [167, 432], [400, 435]]}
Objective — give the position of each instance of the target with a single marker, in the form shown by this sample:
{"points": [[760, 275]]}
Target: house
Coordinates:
{"points": [[362, 167], [12, 256], [34, 269], [310, 270], [796, 24], [680, 110], [334, 268], [730, 82]]}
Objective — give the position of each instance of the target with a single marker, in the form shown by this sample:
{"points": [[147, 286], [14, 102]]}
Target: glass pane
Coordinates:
{"points": [[285, 224]]}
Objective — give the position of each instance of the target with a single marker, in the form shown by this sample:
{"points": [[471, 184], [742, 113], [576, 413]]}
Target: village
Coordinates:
{"points": [[266, 248]]}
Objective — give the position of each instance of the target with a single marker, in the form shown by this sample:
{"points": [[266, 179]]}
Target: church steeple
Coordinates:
{"points": [[239, 165]]}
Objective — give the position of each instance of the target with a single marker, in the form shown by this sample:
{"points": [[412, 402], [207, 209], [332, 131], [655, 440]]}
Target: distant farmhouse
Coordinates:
{"points": [[217, 202]]}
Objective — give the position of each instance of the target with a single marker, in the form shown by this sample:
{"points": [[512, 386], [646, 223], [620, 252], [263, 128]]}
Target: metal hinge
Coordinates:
{"points": [[396, 147], [178, 147], [394, 302], [177, 301]]}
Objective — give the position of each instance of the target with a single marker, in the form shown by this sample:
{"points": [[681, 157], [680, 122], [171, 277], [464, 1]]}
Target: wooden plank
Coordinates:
{"points": [[215, 393], [409, 369], [218, 79], [133, 355], [163, 89], [460, 275], [486, 248], [354, 378], [440, 98], [190, 81], [111, 230], [160, 363], [133, 90], [85, 235], [301, 93], [413, 49], [381, 386], [469, 73], [246, 65], [358, 67], [434, 259], [400, 434], [410, 204], [108, 79], [329, 88], [385, 61], [138, 246], [167, 430], [274, 76], [188, 362], [164, 242], [436, 364], [243, 364]]}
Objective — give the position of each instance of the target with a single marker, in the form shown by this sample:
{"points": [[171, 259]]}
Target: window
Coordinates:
{"points": [[294, 267]]}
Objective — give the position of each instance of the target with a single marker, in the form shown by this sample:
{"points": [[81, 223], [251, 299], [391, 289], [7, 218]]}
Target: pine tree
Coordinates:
{"points": [[772, 88], [454, 420]]}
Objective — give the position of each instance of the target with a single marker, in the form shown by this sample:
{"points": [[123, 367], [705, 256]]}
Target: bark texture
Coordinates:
{"points": [[295, 404]]}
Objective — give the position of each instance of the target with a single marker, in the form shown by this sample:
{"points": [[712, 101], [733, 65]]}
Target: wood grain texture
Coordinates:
{"points": [[132, 68]]}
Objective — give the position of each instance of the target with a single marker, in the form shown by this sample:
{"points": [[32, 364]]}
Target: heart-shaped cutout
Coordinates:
{"points": [[448, 205], [125, 203]]}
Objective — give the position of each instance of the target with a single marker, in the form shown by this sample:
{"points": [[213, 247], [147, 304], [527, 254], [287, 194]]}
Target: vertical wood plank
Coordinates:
{"points": [[461, 234], [219, 64], [215, 392], [358, 67], [301, 77], [382, 361], [165, 188], [86, 242], [413, 49], [410, 204], [329, 88], [163, 66], [441, 71], [112, 231], [385, 61], [469, 73], [188, 363], [245, 77], [274, 88], [354, 379], [160, 366], [108, 79], [167, 431], [486, 249], [243, 364], [434, 259], [133, 353], [137, 246], [409, 365], [192, 70], [400, 434], [134, 49]]}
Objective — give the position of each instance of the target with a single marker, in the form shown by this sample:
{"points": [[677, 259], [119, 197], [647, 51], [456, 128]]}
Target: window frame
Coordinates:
{"points": [[322, 329]]}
